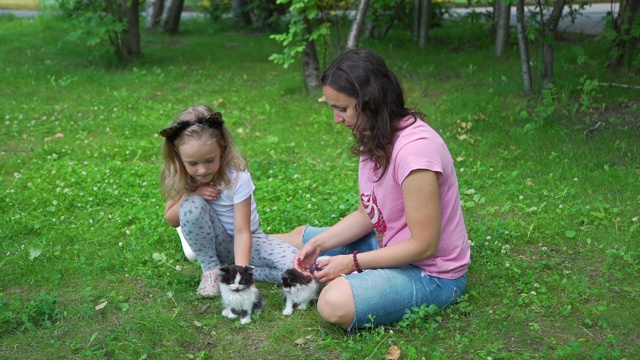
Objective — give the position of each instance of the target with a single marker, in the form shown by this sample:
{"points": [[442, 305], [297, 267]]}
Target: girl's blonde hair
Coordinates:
{"points": [[196, 123]]}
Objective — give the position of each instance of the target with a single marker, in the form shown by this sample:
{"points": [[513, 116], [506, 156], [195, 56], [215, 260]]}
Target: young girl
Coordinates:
{"points": [[409, 200], [209, 195]]}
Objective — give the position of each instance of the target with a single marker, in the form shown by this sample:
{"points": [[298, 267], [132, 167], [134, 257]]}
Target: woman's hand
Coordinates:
{"points": [[333, 267], [305, 260], [209, 191]]}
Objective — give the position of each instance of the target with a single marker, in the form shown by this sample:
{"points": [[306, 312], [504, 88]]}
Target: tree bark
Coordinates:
{"points": [[503, 26], [549, 31], [368, 29], [310, 64], [523, 46], [625, 45], [494, 16], [423, 33], [356, 25], [172, 20], [416, 20], [154, 13], [131, 33], [241, 16]]}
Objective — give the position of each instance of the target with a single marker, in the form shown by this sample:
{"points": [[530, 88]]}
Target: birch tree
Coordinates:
{"points": [[503, 25], [423, 13], [544, 32], [523, 47], [357, 24], [154, 10], [172, 20]]}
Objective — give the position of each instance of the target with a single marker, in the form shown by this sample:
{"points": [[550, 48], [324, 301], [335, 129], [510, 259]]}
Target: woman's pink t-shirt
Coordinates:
{"points": [[418, 147]]}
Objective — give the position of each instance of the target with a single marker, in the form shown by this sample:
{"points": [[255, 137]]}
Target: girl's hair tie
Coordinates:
{"points": [[213, 121]]}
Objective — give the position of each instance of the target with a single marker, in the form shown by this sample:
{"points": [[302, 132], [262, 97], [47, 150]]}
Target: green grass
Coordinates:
{"points": [[90, 269]]}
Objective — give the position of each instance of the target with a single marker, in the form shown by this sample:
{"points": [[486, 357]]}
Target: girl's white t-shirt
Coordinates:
{"points": [[239, 189]]}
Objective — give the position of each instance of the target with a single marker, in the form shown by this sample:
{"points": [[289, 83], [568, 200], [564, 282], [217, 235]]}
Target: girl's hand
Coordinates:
{"points": [[209, 191], [333, 267]]}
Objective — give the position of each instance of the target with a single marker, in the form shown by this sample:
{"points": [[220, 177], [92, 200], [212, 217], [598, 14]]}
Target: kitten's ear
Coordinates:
{"points": [[249, 269], [224, 269]]}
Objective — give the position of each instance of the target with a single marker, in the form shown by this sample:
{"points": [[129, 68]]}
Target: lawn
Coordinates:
{"points": [[550, 187]]}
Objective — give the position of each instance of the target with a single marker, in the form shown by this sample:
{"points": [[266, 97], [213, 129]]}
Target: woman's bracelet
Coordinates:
{"points": [[355, 261]]}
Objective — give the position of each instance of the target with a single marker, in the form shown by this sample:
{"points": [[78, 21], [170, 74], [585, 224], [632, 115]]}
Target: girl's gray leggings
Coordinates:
{"points": [[213, 246]]}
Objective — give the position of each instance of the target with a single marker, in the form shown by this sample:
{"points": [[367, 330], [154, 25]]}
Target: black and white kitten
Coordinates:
{"points": [[239, 294], [298, 289]]}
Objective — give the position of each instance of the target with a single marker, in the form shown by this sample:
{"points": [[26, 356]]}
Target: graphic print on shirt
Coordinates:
{"points": [[370, 204]]}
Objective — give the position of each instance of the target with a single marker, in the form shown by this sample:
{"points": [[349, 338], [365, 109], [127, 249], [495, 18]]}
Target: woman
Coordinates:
{"points": [[409, 202]]}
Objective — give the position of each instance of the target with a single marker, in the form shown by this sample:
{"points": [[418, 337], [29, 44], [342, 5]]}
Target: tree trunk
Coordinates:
{"points": [[368, 29], [154, 13], [549, 31], [423, 33], [241, 16], [523, 46], [174, 12], [503, 26], [625, 45], [385, 30], [131, 33], [416, 20], [494, 17], [356, 25], [397, 12], [310, 64]]}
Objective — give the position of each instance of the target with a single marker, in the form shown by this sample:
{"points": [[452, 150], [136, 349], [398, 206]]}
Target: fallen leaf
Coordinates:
{"points": [[393, 353], [205, 308], [34, 253], [159, 257], [101, 306], [197, 323]]}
